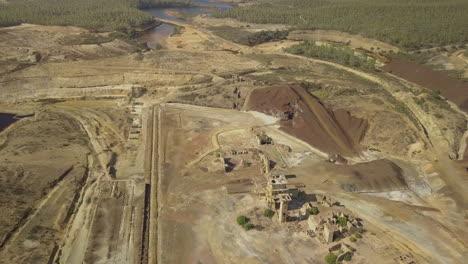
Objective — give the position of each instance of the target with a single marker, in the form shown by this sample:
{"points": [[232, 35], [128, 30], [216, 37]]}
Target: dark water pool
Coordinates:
{"points": [[6, 120]]}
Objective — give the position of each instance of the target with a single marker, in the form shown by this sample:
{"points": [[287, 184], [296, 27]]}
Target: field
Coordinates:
{"points": [[410, 24]]}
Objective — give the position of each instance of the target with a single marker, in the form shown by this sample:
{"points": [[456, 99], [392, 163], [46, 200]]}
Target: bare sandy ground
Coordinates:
{"points": [[422, 192]]}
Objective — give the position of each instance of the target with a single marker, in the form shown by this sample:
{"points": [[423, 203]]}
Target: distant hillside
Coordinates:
{"points": [[122, 15], [411, 24]]}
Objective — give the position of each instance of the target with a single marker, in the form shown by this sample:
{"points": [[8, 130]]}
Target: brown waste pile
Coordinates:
{"points": [[450, 88], [305, 117]]}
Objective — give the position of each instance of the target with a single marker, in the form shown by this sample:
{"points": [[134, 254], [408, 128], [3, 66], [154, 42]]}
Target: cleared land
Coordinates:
{"points": [[134, 142]]}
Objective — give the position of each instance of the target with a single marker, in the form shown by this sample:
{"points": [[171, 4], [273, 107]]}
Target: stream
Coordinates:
{"points": [[154, 36]]}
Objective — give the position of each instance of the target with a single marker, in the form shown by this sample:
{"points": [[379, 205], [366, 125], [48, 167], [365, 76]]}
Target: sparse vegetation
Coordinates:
{"points": [[330, 258], [268, 213], [347, 257], [158, 46], [266, 36], [314, 211], [121, 15], [320, 94], [242, 220], [358, 235], [353, 239], [342, 220], [331, 52], [244, 37], [248, 226], [177, 30], [411, 24]]}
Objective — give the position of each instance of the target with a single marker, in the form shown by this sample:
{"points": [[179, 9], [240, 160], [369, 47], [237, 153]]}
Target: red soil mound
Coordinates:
{"points": [[303, 116], [450, 88]]}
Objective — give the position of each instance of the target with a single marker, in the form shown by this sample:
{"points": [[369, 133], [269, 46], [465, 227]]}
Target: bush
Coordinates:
{"points": [[342, 221], [353, 239], [158, 46], [330, 52], [347, 257], [330, 258], [268, 213], [248, 226], [242, 220], [314, 211], [358, 235], [266, 36]]}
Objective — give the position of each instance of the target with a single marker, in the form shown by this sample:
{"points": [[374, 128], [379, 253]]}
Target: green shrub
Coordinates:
{"points": [[158, 46], [314, 211], [353, 239], [330, 258], [358, 235], [242, 220], [268, 213], [347, 257], [342, 221]]}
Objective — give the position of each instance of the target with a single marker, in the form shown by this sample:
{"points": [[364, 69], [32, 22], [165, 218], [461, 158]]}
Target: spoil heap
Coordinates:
{"points": [[305, 117]]}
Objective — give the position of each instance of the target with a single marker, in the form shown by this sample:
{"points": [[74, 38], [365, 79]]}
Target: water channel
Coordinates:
{"points": [[158, 34]]}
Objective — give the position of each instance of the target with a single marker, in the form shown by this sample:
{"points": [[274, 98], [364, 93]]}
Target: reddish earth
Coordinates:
{"points": [[450, 88], [305, 117]]}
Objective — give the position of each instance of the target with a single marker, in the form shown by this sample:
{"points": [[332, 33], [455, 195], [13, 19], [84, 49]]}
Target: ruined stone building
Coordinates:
{"points": [[327, 229], [279, 193]]}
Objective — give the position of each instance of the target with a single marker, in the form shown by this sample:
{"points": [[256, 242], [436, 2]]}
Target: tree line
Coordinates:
{"points": [[411, 24], [339, 54], [121, 15]]}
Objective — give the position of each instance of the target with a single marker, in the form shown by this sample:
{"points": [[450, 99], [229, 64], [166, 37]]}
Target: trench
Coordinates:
{"points": [[145, 232], [59, 179], [19, 224], [30, 211], [79, 189]]}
